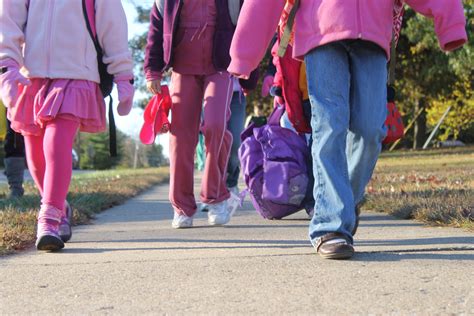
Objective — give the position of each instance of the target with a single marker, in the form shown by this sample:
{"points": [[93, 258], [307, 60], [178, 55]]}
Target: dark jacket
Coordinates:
{"points": [[162, 32]]}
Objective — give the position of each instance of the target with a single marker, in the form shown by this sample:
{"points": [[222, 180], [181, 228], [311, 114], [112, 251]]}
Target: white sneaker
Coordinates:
{"points": [[181, 221], [234, 190], [218, 213], [233, 203]]}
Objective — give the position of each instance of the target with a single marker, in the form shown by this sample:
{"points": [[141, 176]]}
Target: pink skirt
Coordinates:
{"points": [[47, 99]]}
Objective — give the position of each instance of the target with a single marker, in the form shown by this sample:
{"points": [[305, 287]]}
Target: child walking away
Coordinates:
{"points": [[345, 45], [58, 92], [238, 107], [193, 37]]}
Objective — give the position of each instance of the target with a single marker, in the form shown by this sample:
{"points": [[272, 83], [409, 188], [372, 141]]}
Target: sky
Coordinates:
{"points": [[132, 123]]}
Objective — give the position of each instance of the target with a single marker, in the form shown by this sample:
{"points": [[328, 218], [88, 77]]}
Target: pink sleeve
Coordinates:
{"points": [[112, 32], [449, 20], [13, 16], [151, 75], [257, 23]]}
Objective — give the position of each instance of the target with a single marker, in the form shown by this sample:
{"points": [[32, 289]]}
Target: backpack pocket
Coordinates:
{"points": [[284, 182], [285, 178]]}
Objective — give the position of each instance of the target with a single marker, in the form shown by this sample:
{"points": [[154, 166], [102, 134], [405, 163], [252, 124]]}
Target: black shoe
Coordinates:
{"points": [[340, 247], [49, 243]]}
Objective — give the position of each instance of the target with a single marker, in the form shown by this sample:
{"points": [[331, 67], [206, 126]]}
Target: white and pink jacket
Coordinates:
{"points": [[56, 41], [319, 22]]}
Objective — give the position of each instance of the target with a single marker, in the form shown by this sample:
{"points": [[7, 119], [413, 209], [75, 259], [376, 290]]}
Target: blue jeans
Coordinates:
{"points": [[347, 88], [236, 123]]}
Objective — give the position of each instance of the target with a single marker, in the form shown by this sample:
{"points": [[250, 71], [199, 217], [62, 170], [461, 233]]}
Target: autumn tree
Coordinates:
{"points": [[434, 80]]}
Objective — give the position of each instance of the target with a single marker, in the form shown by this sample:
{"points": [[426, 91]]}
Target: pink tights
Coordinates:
{"points": [[49, 159]]}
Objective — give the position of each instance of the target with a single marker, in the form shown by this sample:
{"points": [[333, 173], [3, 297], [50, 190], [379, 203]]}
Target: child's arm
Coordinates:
{"points": [[13, 16], [112, 33], [154, 59], [449, 20], [257, 23]]}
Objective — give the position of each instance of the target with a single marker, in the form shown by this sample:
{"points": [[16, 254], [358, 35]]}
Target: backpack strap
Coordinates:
{"points": [[285, 38], [88, 8], [392, 63], [398, 13], [234, 10], [274, 118], [112, 131]]}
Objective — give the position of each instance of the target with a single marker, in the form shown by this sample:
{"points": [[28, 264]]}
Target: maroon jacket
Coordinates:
{"points": [[162, 32]]}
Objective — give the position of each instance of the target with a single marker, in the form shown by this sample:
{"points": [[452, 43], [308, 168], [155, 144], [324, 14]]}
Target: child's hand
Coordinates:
{"points": [[266, 86], [126, 92], [154, 86], [10, 78]]}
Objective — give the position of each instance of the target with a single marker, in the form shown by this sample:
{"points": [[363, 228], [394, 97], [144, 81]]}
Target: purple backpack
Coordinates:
{"points": [[274, 163]]}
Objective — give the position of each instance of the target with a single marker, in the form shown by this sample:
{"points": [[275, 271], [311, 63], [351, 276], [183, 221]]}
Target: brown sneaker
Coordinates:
{"points": [[357, 211], [335, 246]]}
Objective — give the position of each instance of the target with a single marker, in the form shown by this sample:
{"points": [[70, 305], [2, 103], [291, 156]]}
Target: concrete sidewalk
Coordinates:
{"points": [[130, 261]]}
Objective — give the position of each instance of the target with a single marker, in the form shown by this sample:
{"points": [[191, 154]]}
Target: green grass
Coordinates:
{"points": [[434, 186], [89, 194]]}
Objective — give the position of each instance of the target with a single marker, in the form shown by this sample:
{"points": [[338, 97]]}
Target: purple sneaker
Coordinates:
{"points": [[47, 237], [65, 231]]}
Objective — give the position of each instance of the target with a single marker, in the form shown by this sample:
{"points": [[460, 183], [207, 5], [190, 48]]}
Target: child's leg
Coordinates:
{"points": [[328, 73], [35, 158], [57, 143], [236, 126], [217, 95], [57, 152], [187, 106], [368, 100], [14, 161]]}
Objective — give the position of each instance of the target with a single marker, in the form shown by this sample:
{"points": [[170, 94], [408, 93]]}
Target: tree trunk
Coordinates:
{"points": [[419, 129]]}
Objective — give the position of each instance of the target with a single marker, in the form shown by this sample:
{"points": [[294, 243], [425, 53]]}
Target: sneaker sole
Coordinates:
{"points": [[49, 243], [217, 223], [181, 227], [338, 255]]}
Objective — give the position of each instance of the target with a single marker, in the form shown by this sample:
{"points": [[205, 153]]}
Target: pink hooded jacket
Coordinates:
{"points": [[56, 41], [319, 22]]}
